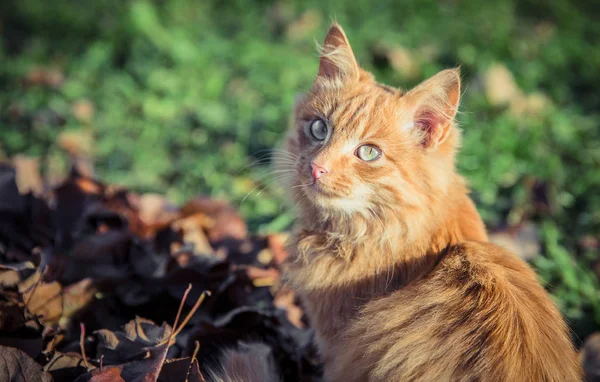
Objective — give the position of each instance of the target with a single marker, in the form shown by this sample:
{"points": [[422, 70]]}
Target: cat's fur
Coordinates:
{"points": [[390, 257], [251, 362]]}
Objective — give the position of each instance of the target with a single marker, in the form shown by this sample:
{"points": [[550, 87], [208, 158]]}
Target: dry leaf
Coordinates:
{"points": [[28, 175], [193, 228], [16, 366], [286, 299], [45, 300]]}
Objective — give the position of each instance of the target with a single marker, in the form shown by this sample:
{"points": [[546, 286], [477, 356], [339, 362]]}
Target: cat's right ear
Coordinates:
{"points": [[433, 106], [337, 60]]}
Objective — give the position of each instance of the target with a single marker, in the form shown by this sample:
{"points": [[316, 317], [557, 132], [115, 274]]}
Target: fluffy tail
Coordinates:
{"points": [[249, 363]]}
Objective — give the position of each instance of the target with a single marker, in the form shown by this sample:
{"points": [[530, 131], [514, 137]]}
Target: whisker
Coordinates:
{"points": [[284, 154], [301, 185], [270, 154], [273, 150], [266, 160], [262, 181]]}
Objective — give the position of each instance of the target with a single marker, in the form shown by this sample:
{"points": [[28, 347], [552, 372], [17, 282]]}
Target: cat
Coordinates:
{"points": [[390, 257], [249, 362]]}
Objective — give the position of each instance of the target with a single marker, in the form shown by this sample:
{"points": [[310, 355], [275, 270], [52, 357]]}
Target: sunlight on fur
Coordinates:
{"points": [[390, 256]]}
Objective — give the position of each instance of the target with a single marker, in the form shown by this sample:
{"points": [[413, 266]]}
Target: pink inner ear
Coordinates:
{"points": [[429, 122], [437, 102]]}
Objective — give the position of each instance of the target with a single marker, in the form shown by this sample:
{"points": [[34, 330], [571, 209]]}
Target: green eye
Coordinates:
{"points": [[318, 129], [368, 153]]}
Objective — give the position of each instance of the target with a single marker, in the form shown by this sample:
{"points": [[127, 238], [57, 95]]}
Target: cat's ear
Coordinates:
{"points": [[434, 104], [337, 60]]}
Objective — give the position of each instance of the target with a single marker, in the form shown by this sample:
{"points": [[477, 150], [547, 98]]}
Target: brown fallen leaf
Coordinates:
{"points": [[193, 228], [9, 277], [132, 342], [16, 366], [277, 244], [66, 366], [89, 186], [18, 327], [28, 175], [262, 277], [144, 370], [265, 256], [179, 370], [156, 210], [286, 299], [112, 374], [228, 224], [45, 300], [75, 298]]}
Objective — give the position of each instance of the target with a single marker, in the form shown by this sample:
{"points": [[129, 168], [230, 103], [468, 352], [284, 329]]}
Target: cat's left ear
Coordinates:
{"points": [[337, 60], [434, 104]]}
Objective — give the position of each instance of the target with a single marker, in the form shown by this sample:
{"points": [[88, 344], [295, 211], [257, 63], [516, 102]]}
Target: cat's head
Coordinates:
{"points": [[361, 147]]}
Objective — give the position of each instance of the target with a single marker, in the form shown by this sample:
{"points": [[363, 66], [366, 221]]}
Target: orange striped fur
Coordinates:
{"points": [[391, 258]]}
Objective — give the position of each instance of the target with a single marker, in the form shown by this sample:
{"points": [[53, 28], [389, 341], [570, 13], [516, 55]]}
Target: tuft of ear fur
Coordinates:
{"points": [[436, 102], [337, 59]]}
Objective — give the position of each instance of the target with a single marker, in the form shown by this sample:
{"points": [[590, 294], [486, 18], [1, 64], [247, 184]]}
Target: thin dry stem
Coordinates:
{"points": [[183, 299], [82, 345], [192, 312], [192, 363], [176, 330]]}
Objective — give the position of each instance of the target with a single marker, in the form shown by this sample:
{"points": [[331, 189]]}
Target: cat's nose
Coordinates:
{"points": [[317, 171]]}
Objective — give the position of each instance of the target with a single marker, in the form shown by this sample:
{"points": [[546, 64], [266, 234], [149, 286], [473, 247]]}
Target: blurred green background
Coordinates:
{"points": [[180, 96]]}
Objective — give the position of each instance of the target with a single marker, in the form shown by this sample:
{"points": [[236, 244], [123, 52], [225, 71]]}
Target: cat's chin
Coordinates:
{"points": [[327, 201], [318, 193]]}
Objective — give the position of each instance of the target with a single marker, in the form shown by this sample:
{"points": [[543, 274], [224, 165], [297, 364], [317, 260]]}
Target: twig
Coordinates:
{"points": [[181, 304], [183, 299], [176, 330], [187, 376], [82, 346], [101, 359], [52, 344], [192, 312]]}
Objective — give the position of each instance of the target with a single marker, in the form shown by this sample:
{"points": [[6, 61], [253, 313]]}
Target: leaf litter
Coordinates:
{"points": [[89, 270]]}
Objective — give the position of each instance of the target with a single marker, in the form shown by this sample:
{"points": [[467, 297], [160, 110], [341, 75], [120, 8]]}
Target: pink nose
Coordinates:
{"points": [[317, 171]]}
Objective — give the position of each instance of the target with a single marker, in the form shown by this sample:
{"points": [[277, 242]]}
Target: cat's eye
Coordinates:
{"points": [[318, 129], [368, 153]]}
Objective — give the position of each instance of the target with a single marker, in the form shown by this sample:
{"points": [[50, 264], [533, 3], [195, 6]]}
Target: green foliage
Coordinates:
{"points": [[187, 93], [574, 287]]}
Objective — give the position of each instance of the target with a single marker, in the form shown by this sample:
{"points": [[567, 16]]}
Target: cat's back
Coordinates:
{"points": [[480, 315]]}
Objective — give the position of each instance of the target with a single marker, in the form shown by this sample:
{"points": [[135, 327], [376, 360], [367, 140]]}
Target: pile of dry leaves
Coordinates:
{"points": [[101, 284]]}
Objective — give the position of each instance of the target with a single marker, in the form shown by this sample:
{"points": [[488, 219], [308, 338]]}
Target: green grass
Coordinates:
{"points": [[187, 94]]}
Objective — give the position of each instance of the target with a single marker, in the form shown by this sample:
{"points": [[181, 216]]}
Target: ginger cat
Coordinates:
{"points": [[390, 258]]}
